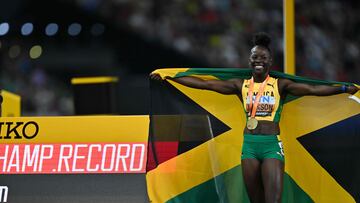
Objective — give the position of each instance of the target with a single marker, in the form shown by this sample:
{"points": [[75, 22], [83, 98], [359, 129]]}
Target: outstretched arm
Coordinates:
{"points": [[301, 89], [223, 87]]}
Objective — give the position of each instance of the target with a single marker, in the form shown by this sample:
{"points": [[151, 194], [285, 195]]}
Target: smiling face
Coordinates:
{"points": [[260, 60]]}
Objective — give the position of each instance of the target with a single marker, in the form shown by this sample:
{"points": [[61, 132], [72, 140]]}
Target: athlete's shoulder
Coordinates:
{"points": [[272, 81], [237, 81], [284, 81]]}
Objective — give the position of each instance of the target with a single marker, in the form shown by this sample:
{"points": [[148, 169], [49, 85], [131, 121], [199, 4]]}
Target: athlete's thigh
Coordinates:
{"points": [[251, 169], [272, 171]]}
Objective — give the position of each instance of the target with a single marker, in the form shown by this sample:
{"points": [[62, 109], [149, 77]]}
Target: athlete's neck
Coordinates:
{"points": [[259, 77]]}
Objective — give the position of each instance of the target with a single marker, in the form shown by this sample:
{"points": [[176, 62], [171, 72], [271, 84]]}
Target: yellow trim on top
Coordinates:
{"points": [[76, 129], [92, 80], [11, 105]]}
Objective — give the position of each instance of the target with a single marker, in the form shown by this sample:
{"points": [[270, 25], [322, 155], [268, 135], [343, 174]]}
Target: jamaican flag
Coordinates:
{"points": [[196, 139]]}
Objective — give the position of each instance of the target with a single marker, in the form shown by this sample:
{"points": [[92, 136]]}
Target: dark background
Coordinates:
{"points": [[130, 38]]}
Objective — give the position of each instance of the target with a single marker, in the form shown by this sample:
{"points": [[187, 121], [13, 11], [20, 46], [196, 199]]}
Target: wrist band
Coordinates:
{"points": [[343, 88]]}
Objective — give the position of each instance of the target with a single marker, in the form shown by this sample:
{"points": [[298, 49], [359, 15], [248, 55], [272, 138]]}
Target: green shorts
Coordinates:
{"points": [[262, 147]]}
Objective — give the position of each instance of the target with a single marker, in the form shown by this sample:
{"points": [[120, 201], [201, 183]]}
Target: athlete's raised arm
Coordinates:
{"points": [[301, 89], [232, 86]]}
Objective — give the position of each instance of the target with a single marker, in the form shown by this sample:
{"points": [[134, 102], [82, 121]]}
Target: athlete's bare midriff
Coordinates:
{"points": [[264, 128]]}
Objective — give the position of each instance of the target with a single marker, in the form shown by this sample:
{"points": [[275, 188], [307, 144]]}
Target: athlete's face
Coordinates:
{"points": [[260, 60]]}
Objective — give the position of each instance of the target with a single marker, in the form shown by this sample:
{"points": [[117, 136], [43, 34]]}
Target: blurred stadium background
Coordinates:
{"points": [[43, 44]]}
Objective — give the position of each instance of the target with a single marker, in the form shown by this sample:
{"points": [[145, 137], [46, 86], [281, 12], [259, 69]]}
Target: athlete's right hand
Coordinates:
{"points": [[352, 89], [155, 76]]}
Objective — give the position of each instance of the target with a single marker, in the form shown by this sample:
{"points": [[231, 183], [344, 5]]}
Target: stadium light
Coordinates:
{"points": [[35, 52], [51, 29], [14, 51], [27, 29], [97, 29], [4, 28], [74, 29]]}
